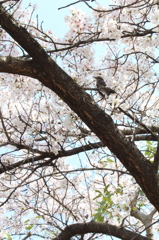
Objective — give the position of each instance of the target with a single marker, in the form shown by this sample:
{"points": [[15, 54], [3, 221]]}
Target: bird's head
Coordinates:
{"points": [[100, 81]]}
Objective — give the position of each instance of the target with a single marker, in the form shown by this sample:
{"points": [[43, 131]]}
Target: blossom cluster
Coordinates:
{"points": [[121, 45]]}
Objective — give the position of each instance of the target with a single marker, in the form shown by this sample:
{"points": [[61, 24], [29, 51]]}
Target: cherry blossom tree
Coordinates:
{"points": [[75, 164]]}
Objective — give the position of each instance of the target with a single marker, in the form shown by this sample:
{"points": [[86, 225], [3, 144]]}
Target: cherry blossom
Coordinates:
{"points": [[55, 175]]}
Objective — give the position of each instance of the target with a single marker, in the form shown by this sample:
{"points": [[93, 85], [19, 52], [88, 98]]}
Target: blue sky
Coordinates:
{"points": [[52, 17]]}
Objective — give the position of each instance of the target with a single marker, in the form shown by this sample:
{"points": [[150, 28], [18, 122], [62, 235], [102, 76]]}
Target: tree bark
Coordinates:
{"points": [[52, 76], [96, 227]]}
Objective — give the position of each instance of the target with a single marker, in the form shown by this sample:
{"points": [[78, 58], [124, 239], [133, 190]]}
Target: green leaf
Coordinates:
{"points": [[99, 195], [150, 150], [106, 188], [98, 191], [26, 221], [110, 160], [55, 233], [8, 236], [98, 217], [29, 227]]}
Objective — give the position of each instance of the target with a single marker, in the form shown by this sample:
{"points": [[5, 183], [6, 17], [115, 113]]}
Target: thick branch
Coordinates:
{"points": [[96, 227], [53, 77], [17, 66]]}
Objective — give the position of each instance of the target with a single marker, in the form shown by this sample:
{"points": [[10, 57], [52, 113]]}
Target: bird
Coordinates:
{"points": [[102, 88]]}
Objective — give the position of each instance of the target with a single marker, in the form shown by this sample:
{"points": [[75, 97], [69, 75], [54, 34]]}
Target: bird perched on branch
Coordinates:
{"points": [[102, 88]]}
